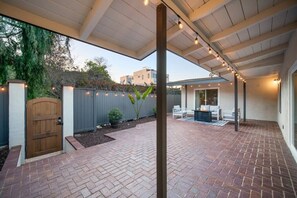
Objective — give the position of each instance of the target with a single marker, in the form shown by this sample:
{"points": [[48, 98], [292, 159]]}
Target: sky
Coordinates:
{"points": [[177, 67]]}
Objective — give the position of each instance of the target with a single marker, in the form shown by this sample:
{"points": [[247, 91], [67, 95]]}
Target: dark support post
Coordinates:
{"points": [[244, 101], [236, 102], [186, 96], [161, 102]]}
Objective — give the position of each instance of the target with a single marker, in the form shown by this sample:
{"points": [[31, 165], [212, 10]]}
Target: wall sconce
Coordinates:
{"points": [[277, 81]]}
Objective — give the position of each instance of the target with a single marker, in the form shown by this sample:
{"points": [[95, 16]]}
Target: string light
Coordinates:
{"points": [[2, 89], [146, 2], [209, 50], [228, 68], [53, 88], [196, 41], [26, 86], [97, 94], [233, 71], [224, 64], [180, 25], [218, 57], [116, 94], [88, 93], [106, 94]]}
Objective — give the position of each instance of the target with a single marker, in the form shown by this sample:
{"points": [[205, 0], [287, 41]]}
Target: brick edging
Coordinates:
{"points": [[12, 158], [76, 145]]}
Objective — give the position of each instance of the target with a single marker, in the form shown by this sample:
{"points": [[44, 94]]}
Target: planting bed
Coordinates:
{"points": [[91, 138]]}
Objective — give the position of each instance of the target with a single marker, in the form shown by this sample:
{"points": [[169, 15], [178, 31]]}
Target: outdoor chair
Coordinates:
{"points": [[215, 110], [230, 115], [177, 111]]}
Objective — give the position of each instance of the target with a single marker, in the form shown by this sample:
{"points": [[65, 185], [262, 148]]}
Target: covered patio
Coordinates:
{"points": [[203, 161], [237, 40]]}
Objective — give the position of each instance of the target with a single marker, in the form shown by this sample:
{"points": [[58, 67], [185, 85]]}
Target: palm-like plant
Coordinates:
{"points": [[139, 99]]}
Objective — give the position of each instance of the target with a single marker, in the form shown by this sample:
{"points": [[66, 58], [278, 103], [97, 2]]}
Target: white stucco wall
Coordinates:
{"points": [[17, 117], [285, 117], [261, 97], [68, 124]]}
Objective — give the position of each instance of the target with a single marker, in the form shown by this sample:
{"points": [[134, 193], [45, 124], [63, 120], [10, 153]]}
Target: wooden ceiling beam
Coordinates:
{"points": [[262, 38], [191, 49], [262, 53], [268, 13], [93, 17], [206, 59], [279, 59], [207, 9], [151, 46], [22, 15]]}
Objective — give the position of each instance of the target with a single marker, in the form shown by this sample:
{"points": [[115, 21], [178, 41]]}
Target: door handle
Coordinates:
{"points": [[59, 121]]}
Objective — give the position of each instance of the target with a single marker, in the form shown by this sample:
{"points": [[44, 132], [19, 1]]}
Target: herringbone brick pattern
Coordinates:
{"points": [[203, 161]]}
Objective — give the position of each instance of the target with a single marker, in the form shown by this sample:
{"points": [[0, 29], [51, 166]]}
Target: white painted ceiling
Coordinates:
{"points": [[251, 35]]}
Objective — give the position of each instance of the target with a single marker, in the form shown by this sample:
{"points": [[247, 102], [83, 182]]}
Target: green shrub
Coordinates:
{"points": [[115, 115]]}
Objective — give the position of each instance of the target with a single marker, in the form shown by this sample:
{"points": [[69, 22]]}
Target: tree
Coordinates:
{"points": [[25, 52], [140, 98], [97, 69]]}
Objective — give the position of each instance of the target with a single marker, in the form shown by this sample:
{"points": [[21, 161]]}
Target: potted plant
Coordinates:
{"points": [[114, 116], [155, 112]]}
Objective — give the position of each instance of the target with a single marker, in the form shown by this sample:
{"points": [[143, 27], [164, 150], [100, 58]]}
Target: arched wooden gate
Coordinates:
{"points": [[44, 131]]}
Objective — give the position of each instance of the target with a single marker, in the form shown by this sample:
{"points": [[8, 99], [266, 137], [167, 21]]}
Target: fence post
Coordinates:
{"points": [[68, 118], [17, 104]]}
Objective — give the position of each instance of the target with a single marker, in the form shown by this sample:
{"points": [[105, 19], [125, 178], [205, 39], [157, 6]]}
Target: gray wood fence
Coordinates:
{"points": [[3, 117], [91, 107]]}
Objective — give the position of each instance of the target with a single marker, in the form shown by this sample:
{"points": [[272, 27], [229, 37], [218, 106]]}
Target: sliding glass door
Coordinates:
{"points": [[206, 97]]}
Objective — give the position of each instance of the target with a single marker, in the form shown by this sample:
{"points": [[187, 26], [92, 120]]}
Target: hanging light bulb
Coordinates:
{"points": [[97, 94], [146, 2], [180, 25], [106, 94], [53, 88], [218, 57], [196, 41], [2, 89], [228, 68], [209, 50], [233, 71], [224, 64]]}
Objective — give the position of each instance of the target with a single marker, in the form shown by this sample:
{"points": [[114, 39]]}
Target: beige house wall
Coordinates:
{"points": [[285, 117], [261, 97]]}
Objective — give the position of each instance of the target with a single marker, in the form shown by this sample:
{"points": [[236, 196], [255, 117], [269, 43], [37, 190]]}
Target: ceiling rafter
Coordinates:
{"points": [[268, 13], [28, 17], [206, 59], [151, 46], [93, 17], [186, 19], [262, 53], [271, 61], [191, 49], [207, 9], [264, 37]]}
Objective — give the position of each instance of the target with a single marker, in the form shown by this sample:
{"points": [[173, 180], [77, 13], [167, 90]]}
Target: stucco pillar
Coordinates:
{"points": [[16, 118], [68, 124]]}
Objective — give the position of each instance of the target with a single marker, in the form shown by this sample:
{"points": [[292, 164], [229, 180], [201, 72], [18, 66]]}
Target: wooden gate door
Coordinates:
{"points": [[44, 134]]}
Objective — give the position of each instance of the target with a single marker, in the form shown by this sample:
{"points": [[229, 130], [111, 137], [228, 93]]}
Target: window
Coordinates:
{"points": [[206, 97]]}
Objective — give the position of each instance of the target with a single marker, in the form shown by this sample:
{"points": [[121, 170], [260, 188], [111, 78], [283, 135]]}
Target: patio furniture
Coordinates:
{"points": [[215, 110], [204, 116], [178, 112], [230, 115]]}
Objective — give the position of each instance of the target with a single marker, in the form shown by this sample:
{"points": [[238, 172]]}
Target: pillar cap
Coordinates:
{"points": [[16, 81], [68, 85]]}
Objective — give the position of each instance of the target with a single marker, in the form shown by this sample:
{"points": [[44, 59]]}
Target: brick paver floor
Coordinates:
{"points": [[203, 161]]}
